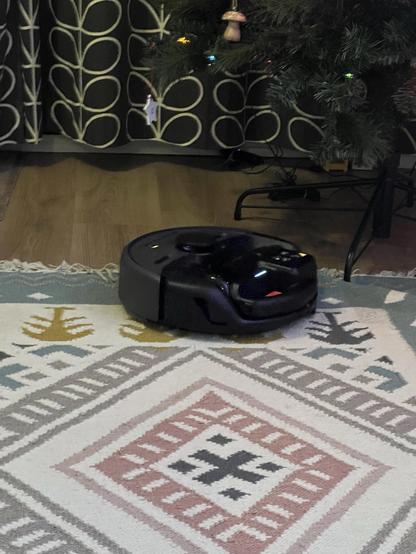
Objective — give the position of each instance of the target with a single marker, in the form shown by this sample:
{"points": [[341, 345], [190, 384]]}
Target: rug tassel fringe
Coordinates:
{"points": [[411, 273], [109, 272], [337, 273]]}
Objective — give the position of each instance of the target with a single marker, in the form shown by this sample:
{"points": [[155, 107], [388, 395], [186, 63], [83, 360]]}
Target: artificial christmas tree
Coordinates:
{"points": [[353, 58]]}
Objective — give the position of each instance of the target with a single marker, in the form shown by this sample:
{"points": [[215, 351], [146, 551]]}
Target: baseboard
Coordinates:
{"points": [[58, 144]]}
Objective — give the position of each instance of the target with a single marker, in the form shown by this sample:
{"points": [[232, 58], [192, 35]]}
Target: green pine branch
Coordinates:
{"points": [[352, 57]]}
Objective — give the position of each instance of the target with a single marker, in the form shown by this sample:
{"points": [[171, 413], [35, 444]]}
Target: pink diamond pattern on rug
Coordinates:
{"points": [[227, 474]]}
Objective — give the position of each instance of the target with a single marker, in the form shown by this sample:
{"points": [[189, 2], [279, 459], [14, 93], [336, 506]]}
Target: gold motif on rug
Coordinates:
{"points": [[258, 339], [57, 327], [146, 333]]}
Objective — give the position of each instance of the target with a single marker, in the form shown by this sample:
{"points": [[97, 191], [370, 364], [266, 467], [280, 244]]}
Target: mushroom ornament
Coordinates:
{"points": [[234, 18]]}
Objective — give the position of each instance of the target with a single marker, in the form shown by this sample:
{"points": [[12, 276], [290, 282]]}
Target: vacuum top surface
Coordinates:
{"points": [[167, 245]]}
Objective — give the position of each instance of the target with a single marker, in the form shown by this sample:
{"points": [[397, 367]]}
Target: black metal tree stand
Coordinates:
{"points": [[379, 211]]}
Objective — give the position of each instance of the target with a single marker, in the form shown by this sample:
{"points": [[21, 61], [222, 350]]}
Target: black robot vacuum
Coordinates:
{"points": [[216, 280]]}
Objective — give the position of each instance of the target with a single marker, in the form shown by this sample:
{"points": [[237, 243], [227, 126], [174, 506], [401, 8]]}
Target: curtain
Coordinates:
{"points": [[74, 68], [20, 104]]}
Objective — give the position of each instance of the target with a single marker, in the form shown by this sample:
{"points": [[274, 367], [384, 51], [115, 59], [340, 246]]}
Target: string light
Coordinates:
{"points": [[183, 40]]}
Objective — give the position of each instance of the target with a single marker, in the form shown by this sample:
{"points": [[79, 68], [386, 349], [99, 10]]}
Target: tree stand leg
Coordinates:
{"points": [[383, 209], [354, 254]]}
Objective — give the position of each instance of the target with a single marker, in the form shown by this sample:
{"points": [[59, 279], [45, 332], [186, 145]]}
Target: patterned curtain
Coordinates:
{"points": [[74, 68], [20, 106]]}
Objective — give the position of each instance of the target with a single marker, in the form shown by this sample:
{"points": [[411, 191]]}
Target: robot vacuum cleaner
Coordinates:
{"points": [[216, 280]]}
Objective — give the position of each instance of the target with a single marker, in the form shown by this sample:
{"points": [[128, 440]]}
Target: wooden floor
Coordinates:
{"points": [[84, 208]]}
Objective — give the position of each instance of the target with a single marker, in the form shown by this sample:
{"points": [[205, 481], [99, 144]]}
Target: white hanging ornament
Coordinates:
{"points": [[234, 18], [150, 109]]}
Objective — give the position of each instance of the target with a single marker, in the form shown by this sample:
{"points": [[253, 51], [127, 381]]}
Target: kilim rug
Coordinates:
{"points": [[118, 438]]}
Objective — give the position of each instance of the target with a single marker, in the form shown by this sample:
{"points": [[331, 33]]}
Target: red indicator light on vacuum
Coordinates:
{"points": [[273, 294]]}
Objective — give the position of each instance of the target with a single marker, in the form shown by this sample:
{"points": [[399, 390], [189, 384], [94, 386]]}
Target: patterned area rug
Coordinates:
{"points": [[117, 438]]}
